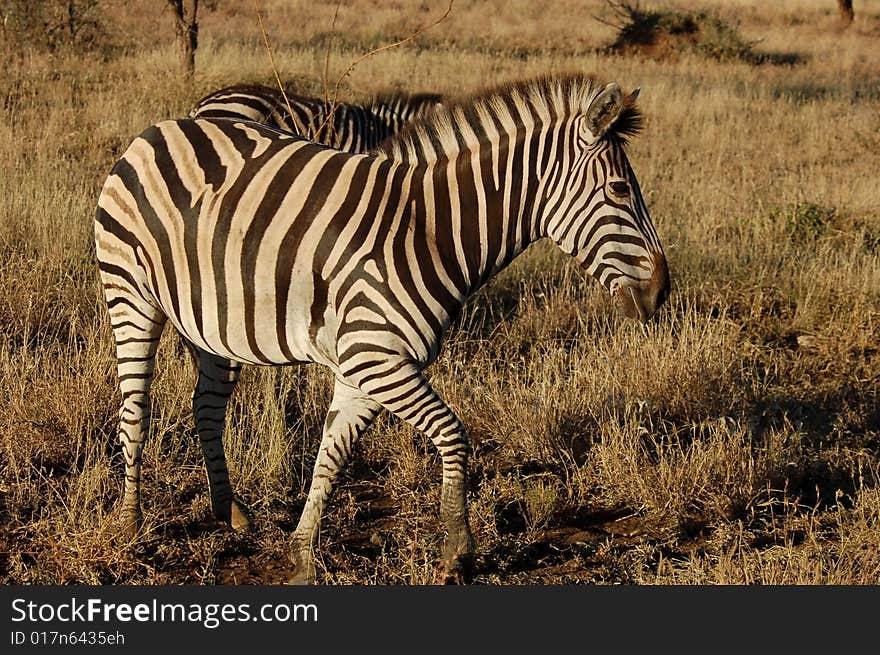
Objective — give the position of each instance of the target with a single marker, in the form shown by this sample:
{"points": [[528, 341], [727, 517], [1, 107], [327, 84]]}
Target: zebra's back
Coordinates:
{"points": [[344, 126], [254, 102]]}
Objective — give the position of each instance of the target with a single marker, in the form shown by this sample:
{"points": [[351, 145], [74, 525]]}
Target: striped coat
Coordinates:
{"points": [[260, 247], [352, 128]]}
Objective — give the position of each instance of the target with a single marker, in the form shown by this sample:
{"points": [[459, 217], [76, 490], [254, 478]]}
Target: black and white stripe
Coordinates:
{"points": [[353, 128], [264, 248]]}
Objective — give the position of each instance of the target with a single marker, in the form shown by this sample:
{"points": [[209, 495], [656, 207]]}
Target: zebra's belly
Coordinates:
{"points": [[270, 329]]}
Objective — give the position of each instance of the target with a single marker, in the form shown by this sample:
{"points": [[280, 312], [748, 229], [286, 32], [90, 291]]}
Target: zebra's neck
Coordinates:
{"points": [[476, 209]]}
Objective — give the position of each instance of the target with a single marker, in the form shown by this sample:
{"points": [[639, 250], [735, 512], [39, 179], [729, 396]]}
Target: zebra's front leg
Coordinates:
{"points": [[217, 378], [405, 392], [351, 413]]}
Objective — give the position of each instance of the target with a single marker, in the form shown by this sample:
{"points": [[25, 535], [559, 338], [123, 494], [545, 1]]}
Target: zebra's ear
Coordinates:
{"points": [[604, 110]]}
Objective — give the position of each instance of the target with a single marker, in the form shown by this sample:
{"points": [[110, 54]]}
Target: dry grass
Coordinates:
{"points": [[733, 441]]}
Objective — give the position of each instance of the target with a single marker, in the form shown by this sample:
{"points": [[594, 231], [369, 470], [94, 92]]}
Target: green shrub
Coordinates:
{"points": [[806, 221]]}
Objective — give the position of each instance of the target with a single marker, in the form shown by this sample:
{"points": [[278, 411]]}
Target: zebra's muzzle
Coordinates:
{"points": [[642, 301]]}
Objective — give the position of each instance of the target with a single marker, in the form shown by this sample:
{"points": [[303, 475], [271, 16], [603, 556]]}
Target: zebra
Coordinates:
{"points": [[353, 128], [263, 248]]}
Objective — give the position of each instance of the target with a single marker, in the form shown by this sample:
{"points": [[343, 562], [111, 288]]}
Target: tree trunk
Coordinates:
{"points": [[190, 41], [846, 11], [71, 19], [186, 26]]}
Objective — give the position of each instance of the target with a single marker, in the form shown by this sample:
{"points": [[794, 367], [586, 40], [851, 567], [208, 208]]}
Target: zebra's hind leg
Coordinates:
{"points": [[217, 378], [405, 392], [137, 327], [351, 413]]}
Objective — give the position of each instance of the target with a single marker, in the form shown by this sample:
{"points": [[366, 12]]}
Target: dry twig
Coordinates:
{"points": [[326, 79], [272, 58], [372, 52]]}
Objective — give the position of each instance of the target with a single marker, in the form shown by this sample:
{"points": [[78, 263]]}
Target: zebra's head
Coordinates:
{"points": [[596, 212]]}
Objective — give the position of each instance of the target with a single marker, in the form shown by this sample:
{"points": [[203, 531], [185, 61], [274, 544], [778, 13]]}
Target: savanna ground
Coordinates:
{"points": [[736, 439]]}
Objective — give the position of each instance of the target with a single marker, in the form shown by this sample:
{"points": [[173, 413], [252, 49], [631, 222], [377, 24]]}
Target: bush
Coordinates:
{"points": [[666, 33], [806, 221]]}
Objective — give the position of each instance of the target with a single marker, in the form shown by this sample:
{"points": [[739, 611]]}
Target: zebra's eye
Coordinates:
{"points": [[619, 189]]}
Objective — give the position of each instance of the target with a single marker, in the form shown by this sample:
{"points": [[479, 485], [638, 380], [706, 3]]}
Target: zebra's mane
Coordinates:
{"points": [[244, 88], [462, 125], [392, 98]]}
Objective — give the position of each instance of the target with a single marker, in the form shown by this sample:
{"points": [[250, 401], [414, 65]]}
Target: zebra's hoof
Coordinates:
{"points": [[459, 572], [458, 557], [131, 525], [232, 513], [448, 578], [459, 575], [301, 579], [304, 572], [238, 519]]}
